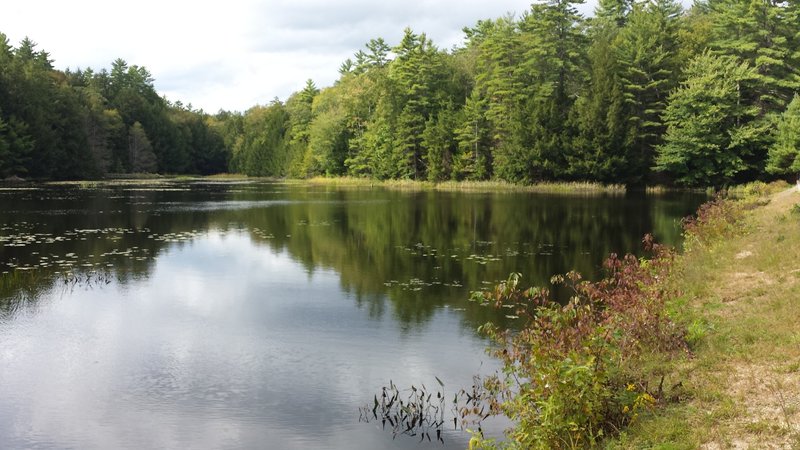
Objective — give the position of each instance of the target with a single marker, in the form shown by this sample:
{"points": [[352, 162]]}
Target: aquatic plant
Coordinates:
{"points": [[412, 412], [419, 411]]}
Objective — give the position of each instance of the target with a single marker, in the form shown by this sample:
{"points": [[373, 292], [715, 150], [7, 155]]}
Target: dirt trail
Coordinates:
{"points": [[758, 288]]}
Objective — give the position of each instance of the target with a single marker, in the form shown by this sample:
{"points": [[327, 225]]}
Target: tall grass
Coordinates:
{"points": [[468, 186]]}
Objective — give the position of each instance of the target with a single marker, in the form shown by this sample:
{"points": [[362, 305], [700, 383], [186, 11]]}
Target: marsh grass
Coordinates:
{"points": [[227, 176], [662, 189], [570, 188], [468, 186]]}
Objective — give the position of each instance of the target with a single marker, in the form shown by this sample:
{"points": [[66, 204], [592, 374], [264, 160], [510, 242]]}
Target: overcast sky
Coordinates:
{"points": [[233, 54]]}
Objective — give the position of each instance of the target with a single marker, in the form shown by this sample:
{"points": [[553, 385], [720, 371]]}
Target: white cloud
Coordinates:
{"points": [[237, 53]]}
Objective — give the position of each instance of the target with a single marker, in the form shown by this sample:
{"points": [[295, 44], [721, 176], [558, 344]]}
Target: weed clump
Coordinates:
{"points": [[714, 221]]}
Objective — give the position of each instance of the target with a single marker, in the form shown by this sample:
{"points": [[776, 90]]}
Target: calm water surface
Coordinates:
{"points": [[258, 315]]}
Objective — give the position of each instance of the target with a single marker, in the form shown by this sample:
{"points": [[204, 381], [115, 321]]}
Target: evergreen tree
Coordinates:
{"points": [[15, 147], [140, 151], [763, 33], [496, 101], [645, 51], [784, 155], [414, 72], [713, 135], [546, 96], [473, 161], [598, 150], [378, 55], [552, 73], [440, 145]]}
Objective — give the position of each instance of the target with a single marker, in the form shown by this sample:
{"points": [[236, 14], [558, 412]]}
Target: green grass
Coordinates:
{"points": [[466, 186], [740, 302]]}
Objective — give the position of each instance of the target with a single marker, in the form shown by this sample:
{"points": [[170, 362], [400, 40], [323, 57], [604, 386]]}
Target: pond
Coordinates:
{"points": [[199, 314]]}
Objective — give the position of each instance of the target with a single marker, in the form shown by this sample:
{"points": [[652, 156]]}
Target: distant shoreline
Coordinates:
{"points": [[486, 186]]}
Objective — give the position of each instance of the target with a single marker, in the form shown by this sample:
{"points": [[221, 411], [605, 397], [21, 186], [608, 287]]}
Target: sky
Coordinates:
{"points": [[234, 54]]}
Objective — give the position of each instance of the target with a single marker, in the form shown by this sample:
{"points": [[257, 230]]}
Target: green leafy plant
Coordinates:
{"points": [[569, 377], [714, 220]]}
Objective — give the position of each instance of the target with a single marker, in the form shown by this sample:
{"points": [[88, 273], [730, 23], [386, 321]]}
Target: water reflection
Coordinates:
{"points": [[225, 344], [260, 315]]}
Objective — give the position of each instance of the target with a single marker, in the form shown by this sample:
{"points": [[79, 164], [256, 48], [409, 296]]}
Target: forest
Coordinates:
{"points": [[638, 93]]}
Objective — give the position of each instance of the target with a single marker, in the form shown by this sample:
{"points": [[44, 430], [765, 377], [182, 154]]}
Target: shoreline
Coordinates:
{"points": [[467, 186], [485, 186], [739, 280]]}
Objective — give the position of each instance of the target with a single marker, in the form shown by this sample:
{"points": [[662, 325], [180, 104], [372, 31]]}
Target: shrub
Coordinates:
{"points": [[714, 221]]}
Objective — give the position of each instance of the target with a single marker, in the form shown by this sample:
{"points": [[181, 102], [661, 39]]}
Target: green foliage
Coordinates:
{"points": [[645, 51], [15, 147], [552, 73], [598, 115], [763, 33], [80, 124], [328, 136], [473, 160], [712, 133], [438, 140], [784, 155], [571, 375], [714, 221], [552, 96], [261, 150], [142, 158]]}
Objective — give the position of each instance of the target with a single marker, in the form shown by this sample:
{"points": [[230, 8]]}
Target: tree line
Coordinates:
{"points": [[81, 124], [642, 92]]}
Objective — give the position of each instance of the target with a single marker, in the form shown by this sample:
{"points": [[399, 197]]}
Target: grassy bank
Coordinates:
{"points": [[739, 284], [678, 351]]}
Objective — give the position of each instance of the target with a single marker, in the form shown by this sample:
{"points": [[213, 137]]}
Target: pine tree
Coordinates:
{"points": [[140, 151], [597, 151], [552, 74], [713, 135], [763, 33], [645, 51], [473, 160], [415, 72], [15, 147], [440, 145], [784, 155]]}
